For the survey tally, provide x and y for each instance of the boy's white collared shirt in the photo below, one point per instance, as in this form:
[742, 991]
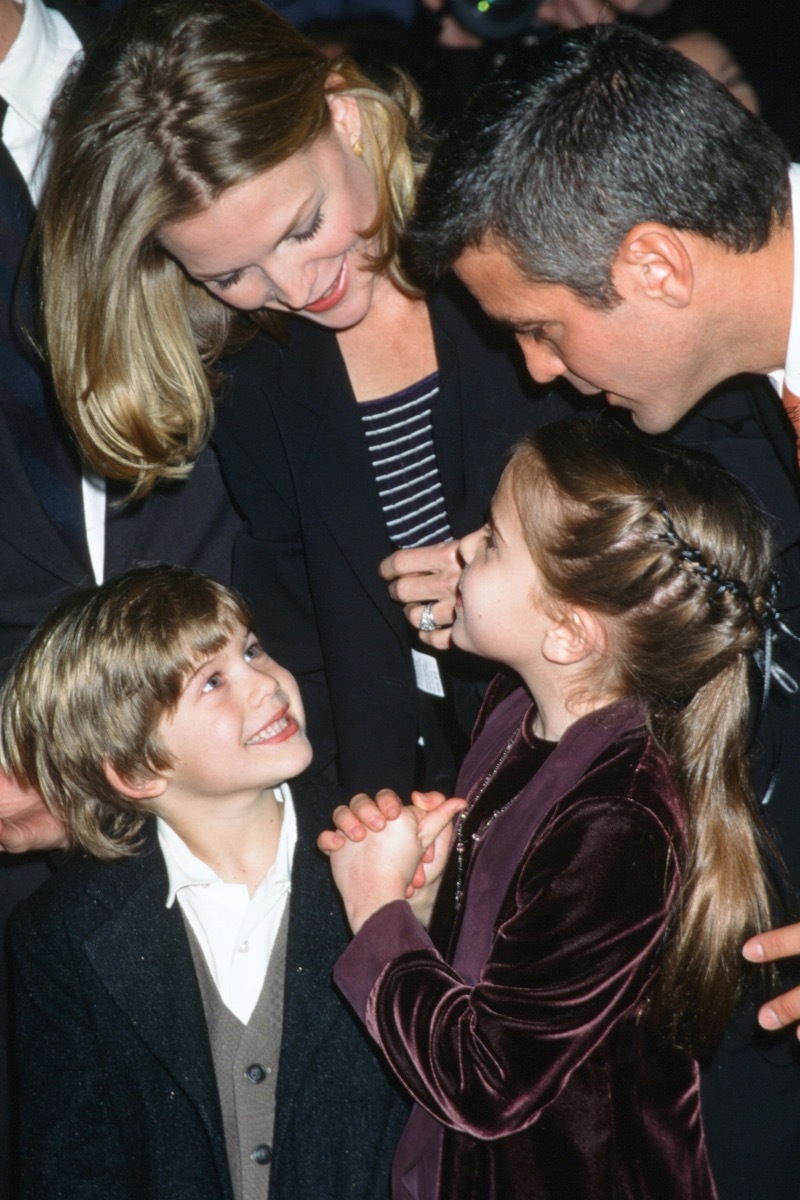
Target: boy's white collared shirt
[236, 931]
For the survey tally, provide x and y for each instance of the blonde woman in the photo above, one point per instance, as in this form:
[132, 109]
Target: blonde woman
[213, 172]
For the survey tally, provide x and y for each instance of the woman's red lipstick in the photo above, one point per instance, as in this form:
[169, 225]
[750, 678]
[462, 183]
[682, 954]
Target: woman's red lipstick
[334, 293]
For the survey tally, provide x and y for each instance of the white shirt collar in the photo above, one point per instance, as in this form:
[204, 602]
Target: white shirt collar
[42, 51]
[185, 869]
[30, 75]
[793, 351]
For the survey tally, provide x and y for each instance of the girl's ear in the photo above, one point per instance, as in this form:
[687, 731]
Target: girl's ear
[573, 637]
[145, 787]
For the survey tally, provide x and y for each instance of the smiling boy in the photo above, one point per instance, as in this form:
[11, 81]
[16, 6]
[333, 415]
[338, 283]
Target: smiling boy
[180, 975]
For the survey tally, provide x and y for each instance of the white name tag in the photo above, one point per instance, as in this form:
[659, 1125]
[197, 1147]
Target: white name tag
[426, 669]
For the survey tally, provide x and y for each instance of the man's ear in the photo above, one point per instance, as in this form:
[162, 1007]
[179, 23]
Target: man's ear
[573, 637]
[656, 262]
[145, 787]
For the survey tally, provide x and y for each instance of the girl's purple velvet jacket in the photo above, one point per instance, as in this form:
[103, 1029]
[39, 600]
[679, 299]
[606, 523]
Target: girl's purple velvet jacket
[523, 1047]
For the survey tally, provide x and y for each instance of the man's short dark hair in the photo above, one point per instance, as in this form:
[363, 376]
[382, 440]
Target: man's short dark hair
[578, 140]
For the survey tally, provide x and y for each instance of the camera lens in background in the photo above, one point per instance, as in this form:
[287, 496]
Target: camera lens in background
[494, 19]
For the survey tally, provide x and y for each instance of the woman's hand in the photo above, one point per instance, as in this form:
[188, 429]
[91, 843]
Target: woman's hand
[422, 577]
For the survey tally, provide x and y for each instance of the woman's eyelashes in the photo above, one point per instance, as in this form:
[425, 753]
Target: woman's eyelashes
[302, 235]
[305, 235]
[228, 282]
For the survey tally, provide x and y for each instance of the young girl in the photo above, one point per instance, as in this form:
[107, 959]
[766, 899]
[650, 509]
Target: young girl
[606, 868]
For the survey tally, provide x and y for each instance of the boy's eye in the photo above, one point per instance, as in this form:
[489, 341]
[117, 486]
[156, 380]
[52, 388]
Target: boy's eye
[253, 651]
[212, 683]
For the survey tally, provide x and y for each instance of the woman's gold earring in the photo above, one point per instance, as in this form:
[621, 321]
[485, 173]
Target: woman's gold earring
[358, 148]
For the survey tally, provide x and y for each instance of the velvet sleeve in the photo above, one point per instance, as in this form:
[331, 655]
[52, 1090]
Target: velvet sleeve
[574, 949]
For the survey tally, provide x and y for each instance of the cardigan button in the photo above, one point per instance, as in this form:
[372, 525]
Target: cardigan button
[262, 1154]
[255, 1073]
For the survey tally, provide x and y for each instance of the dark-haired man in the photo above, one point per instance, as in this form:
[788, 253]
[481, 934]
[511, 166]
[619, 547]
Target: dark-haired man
[628, 219]
[632, 224]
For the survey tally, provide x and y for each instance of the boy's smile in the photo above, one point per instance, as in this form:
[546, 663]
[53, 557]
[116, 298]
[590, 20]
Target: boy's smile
[238, 729]
[279, 730]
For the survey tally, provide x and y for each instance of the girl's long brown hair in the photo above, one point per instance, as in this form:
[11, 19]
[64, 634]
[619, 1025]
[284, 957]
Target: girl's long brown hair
[669, 551]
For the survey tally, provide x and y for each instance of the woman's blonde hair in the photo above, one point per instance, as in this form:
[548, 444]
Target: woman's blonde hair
[92, 686]
[176, 103]
[669, 552]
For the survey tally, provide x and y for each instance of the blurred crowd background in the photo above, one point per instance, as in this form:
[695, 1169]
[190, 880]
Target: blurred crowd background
[448, 46]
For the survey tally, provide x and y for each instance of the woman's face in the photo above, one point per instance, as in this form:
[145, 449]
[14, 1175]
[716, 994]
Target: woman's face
[289, 239]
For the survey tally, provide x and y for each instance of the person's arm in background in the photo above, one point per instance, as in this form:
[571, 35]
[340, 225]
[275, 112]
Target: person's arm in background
[25, 822]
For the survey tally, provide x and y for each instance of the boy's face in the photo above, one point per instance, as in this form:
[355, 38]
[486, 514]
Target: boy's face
[238, 729]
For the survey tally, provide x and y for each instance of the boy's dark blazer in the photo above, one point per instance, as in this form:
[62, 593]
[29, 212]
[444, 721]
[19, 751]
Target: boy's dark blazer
[104, 973]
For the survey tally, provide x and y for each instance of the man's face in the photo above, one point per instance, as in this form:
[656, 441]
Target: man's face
[629, 352]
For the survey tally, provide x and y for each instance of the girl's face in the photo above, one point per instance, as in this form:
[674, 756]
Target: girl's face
[290, 239]
[500, 611]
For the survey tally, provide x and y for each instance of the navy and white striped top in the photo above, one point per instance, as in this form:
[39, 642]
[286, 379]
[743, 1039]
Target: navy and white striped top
[400, 440]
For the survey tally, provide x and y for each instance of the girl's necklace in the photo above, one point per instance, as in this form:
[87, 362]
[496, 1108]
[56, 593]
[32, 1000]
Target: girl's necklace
[460, 843]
